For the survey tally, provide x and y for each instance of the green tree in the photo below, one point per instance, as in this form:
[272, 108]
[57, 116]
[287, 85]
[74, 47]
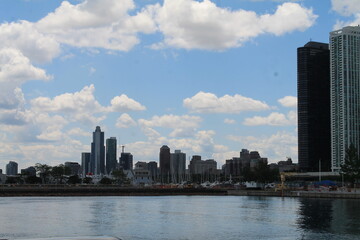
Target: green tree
[33, 180]
[44, 171]
[58, 172]
[351, 165]
[87, 180]
[120, 176]
[74, 179]
[105, 181]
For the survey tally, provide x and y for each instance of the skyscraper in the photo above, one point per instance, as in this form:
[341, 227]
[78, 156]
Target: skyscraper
[85, 163]
[345, 92]
[177, 166]
[313, 63]
[126, 161]
[12, 168]
[164, 159]
[97, 161]
[111, 161]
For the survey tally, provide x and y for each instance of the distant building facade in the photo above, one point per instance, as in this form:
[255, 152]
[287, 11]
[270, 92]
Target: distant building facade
[111, 162]
[30, 171]
[142, 173]
[11, 168]
[85, 163]
[97, 161]
[344, 92]
[164, 159]
[74, 167]
[313, 89]
[126, 161]
[153, 170]
[177, 166]
[198, 166]
[247, 161]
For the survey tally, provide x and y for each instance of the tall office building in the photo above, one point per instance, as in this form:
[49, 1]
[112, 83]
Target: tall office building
[177, 166]
[85, 163]
[12, 168]
[111, 161]
[345, 92]
[97, 160]
[126, 161]
[313, 63]
[164, 159]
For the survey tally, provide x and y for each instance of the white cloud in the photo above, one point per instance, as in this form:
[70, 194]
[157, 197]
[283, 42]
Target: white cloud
[69, 102]
[16, 69]
[184, 126]
[209, 103]
[97, 23]
[288, 101]
[274, 119]
[172, 121]
[78, 132]
[27, 39]
[209, 27]
[123, 103]
[125, 121]
[275, 147]
[229, 121]
[346, 7]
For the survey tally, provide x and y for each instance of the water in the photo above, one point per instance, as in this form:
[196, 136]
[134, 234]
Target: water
[180, 217]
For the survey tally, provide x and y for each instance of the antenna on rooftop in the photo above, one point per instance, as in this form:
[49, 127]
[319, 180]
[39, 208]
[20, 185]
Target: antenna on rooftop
[122, 148]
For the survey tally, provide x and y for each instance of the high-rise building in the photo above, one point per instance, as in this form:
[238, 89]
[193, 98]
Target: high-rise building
[11, 168]
[126, 161]
[111, 161]
[74, 167]
[85, 163]
[177, 166]
[97, 160]
[345, 92]
[313, 89]
[153, 170]
[164, 159]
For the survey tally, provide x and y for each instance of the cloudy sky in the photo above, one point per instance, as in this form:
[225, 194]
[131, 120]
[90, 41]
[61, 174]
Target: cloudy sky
[206, 77]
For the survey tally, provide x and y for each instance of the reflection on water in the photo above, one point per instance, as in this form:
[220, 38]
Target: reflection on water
[181, 217]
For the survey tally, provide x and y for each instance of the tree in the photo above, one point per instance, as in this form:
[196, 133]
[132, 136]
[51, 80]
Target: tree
[351, 165]
[74, 180]
[87, 180]
[106, 181]
[59, 171]
[33, 180]
[43, 170]
[120, 176]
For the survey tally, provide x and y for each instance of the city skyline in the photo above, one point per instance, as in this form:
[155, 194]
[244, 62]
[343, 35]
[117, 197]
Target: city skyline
[150, 77]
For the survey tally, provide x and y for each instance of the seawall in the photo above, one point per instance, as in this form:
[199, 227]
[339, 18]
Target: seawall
[307, 194]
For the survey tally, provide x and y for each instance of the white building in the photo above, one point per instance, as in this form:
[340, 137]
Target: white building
[345, 92]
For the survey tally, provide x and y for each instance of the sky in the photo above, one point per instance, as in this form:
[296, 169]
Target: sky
[207, 77]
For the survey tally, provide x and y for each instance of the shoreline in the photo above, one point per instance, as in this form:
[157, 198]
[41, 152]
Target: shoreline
[69, 191]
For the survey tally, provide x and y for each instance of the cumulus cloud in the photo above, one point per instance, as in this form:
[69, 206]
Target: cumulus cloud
[123, 103]
[209, 103]
[274, 119]
[182, 126]
[125, 121]
[97, 23]
[229, 121]
[275, 147]
[27, 39]
[288, 101]
[346, 7]
[78, 132]
[209, 27]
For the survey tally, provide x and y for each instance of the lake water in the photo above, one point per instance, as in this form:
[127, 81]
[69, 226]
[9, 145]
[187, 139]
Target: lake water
[180, 217]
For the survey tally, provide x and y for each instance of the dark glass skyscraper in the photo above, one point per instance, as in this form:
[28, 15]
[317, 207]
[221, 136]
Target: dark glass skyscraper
[314, 139]
[97, 161]
[111, 161]
[164, 158]
[85, 163]
[126, 161]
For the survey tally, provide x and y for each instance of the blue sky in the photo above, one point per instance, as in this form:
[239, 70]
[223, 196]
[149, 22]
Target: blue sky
[206, 77]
